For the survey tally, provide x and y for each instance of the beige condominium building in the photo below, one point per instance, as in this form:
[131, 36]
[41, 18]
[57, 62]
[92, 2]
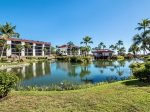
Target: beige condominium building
[37, 48]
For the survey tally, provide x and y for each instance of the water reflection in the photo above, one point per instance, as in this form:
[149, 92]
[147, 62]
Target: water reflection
[33, 70]
[45, 73]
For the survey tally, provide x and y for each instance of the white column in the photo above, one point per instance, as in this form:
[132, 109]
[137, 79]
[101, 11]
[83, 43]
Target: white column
[8, 51]
[23, 50]
[43, 52]
[34, 45]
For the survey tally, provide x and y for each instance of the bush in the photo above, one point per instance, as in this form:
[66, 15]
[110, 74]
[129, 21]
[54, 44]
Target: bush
[141, 71]
[7, 81]
[114, 57]
[129, 56]
[120, 57]
[74, 59]
[3, 60]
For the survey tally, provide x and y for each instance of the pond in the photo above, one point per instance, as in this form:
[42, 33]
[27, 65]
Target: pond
[55, 72]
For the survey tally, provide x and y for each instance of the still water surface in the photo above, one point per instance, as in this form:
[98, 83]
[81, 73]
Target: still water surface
[55, 72]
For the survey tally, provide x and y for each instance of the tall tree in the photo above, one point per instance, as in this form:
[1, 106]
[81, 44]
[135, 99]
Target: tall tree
[113, 47]
[28, 47]
[134, 49]
[143, 40]
[104, 46]
[100, 45]
[144, 24]
[70, 43]
[87, 40]
[45, 51]
[119, 46]
[7, 31]
[19, 47]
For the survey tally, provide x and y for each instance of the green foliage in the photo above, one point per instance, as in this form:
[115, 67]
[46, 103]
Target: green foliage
[147, 58]
[129, 56]
[7, 81]
[120, 57]
[3, 60]
[75, 59]
[141, 71]
[65, 85]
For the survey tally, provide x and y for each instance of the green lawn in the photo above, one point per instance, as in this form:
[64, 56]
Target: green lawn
[123, 96]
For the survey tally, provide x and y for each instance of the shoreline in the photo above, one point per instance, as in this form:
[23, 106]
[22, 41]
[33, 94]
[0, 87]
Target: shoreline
[4, 66]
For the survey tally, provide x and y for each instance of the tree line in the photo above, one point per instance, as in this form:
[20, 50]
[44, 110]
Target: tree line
[141, 41]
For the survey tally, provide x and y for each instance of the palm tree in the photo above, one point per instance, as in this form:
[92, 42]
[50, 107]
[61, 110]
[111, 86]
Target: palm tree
[28, 46]
[7, 31]
[104, 46]
[113, 47]
[143, 40]
[19, 47]
[134, 49]
[143, 25]
[87, 40]
[83, 50]
[45, 51]
[118, 45]
[122, 50]
[100, 45]
[70, 43]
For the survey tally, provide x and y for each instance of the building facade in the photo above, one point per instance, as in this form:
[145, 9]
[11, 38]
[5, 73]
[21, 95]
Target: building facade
[35, 48]
[68, 50]
[102, 53]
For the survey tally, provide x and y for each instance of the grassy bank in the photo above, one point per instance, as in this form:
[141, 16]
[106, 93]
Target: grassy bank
[123, 96]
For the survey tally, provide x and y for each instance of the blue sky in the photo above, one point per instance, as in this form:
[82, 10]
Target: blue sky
[60, 21]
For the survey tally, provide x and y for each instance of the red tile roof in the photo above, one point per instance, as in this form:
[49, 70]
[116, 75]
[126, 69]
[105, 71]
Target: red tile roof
[102, 50]
[62, 46]
[67, 46]
[31, 41]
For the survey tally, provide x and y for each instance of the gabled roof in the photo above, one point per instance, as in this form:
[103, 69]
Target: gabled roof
[102, 50]
[67, 46]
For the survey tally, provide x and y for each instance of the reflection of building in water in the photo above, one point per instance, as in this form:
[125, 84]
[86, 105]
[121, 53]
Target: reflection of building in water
[9, 69]
[34, 69]
[67, 67]
[43, 68]
[103, 64]
[23, 71]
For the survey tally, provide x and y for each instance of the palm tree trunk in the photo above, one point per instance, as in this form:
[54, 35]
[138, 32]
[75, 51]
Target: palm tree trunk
[27, 52]
[19, 56]
[3, 50]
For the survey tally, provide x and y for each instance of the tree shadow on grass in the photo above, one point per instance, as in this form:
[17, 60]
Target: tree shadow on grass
[136, 83]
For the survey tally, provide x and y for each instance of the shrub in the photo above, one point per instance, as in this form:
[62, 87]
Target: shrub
[120, 57]
[114, 57]
[7, 81]
[3, 60]
[129, 56]
[141, 71]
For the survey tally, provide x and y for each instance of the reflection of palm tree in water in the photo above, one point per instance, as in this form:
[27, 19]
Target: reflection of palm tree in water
[72, 71]
[112, 69]
[67, 67]
[103, 64]
[121, 63]
[101, 71]
[84, 71]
